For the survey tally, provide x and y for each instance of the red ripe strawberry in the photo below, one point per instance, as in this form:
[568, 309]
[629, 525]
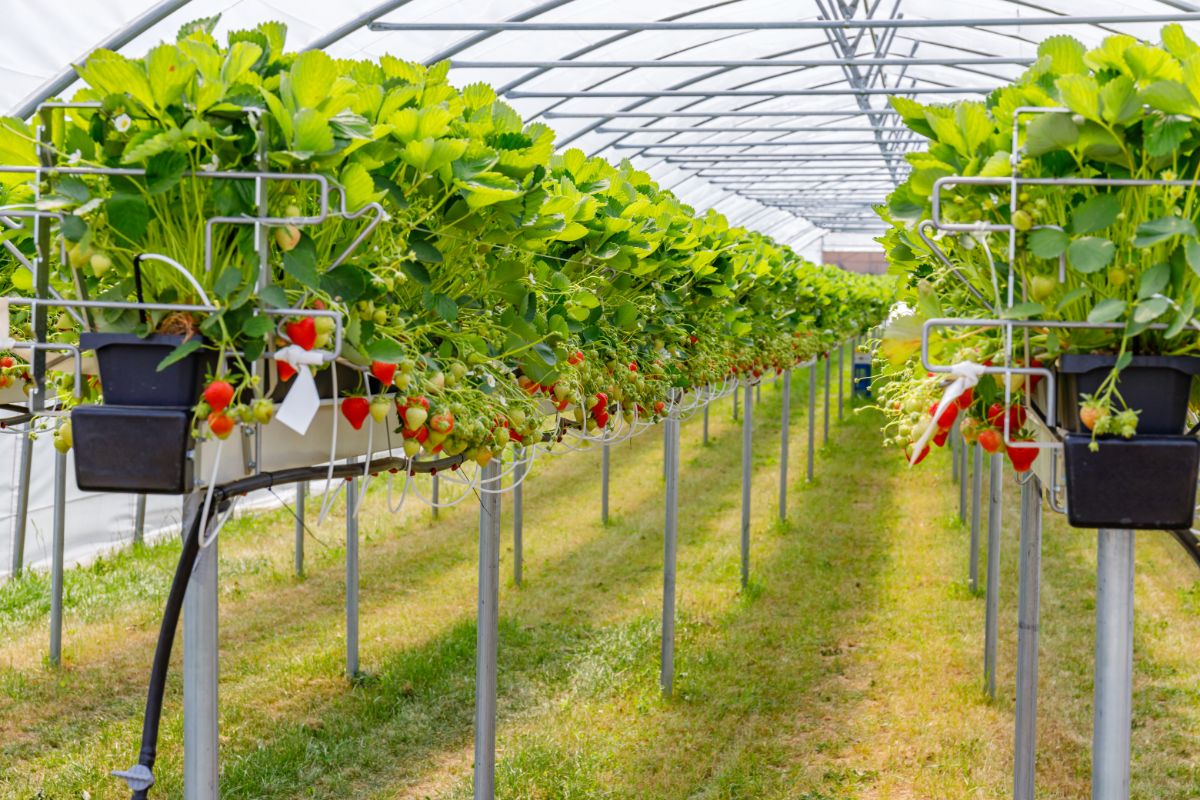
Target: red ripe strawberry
[1022, 456]
[561, 405]
[286, 371]
[516, 437]
[633, 366]
[575, 358]
[356, 409]
[991, 440]
[920, 458]
[601, 405]
[221, 424]
[442, 422]
[218, 395]
[7, 361]
[1034, 380]
[659, 407]
[1016, 416]
[383, 371]
[947, 417]
[302, 332]
[601, 418]
[964, 399]
[940, 437]
[420, 434]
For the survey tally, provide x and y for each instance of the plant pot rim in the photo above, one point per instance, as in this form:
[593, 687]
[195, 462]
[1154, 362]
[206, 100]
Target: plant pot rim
[1075, 363]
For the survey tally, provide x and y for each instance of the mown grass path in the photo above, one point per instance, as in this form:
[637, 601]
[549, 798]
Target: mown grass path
[852, 668]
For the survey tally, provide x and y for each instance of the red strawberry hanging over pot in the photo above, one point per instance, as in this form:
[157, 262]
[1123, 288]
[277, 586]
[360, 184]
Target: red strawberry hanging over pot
[356, 409]
[302, 332]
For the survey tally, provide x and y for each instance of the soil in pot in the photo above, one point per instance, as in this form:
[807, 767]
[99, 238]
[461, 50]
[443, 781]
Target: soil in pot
[1157, 386]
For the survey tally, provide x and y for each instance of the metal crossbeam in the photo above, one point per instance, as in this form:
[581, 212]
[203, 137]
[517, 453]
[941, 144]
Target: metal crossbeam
[846, 112]
[817, 24]
[868, 61]
[703, 93]
[750, 129]
[768, 143]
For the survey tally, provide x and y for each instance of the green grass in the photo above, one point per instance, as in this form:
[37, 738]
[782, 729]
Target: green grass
[851, 667]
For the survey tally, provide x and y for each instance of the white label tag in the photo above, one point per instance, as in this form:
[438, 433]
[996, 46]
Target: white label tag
[301, 404]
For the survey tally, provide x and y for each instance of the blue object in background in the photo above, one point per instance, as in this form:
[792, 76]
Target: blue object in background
[862, 374]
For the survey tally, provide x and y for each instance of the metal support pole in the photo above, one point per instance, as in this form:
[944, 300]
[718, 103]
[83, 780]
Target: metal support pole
[434, 495]
[976, 492]
[139, 520]
[1113, 704]
[963, 472]
[747, 441]
[785, 415]
[670, 533]
[200, 669]
[705, 442]
[352, 578]
[812, 415]
[992, 602]
[1028, 612]
[604, 468]
[825, 441]
[735, 406]
[57, 557]
[518, 518]
[841, 377]
[24, 475]
[954, 448]
[300, 492]
[487, 633]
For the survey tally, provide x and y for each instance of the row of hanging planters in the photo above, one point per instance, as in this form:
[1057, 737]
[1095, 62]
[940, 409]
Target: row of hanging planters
[1101, 277]
[430, 251]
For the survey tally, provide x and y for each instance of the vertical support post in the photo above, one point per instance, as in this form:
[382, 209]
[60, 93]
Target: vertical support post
[992, 602]
[670, 534]
[825, 440]
[1113, 703]
[785, 414]
[735, 406]
[976, 492]
[352, 578]
[434, 495]
[841, 377]
[604, 468]
[705, 441]
[812, 415]
[300, 492]
[954, 448]
[964, 450]
[518, 518]
[56, 558]
[200, 668]
[24, 475]
[139, 520]
[1028, 613]
[487, 633]
[747, 455]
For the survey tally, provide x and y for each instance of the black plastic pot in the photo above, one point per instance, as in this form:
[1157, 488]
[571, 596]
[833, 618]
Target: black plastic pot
[1158, 386]
[132, 449]
[1147, 482]
[129, 374]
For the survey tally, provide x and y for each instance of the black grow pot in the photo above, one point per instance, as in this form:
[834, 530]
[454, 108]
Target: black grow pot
[129, 374]
[1147, 482]
[132, 449]
[1157, 386]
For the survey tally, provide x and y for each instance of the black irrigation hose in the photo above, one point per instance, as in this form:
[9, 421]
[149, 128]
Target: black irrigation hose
[1189, 541]
[162, 651]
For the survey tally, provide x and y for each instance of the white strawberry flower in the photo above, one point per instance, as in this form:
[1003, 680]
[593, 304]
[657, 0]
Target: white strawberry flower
[122, 122]
[75, 157]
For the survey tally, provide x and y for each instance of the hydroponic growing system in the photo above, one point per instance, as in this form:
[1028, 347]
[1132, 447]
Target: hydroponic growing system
[273, 267]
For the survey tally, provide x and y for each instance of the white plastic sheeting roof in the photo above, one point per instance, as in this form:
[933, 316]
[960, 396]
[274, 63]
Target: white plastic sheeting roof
[794, 148]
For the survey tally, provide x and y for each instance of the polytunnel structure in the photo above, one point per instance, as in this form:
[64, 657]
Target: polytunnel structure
[331, 261]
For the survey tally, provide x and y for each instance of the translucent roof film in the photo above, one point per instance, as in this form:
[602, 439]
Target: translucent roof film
[774, 113]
